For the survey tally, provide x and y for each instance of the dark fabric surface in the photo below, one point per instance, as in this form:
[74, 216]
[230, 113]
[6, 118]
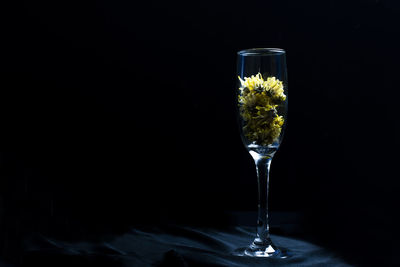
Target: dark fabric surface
[171, 246]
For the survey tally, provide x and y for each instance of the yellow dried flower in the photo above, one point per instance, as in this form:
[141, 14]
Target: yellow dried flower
[258, 102]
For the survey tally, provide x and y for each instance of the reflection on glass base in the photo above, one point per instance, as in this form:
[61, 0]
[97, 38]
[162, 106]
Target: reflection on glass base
[262, 251]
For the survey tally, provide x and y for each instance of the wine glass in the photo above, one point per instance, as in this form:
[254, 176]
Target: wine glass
[262, 106]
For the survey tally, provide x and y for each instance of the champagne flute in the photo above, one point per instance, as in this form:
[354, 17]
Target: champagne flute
[262, 107]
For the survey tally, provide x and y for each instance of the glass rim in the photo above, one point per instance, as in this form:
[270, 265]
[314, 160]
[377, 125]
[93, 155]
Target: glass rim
[261, 52]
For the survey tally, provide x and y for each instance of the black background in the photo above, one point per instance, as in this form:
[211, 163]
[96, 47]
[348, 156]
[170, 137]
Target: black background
[117, 113]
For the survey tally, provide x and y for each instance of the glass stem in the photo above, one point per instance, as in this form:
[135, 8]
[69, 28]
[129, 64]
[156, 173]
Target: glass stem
[263, 164]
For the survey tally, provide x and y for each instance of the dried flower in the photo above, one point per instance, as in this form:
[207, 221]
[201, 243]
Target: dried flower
[258, 102]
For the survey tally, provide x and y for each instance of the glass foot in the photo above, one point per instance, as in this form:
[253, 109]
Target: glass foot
[267, 250]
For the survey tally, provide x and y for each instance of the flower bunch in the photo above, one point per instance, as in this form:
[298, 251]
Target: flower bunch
[258, 102]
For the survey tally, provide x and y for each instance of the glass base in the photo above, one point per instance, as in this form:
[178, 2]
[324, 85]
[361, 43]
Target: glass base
[262, 250]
